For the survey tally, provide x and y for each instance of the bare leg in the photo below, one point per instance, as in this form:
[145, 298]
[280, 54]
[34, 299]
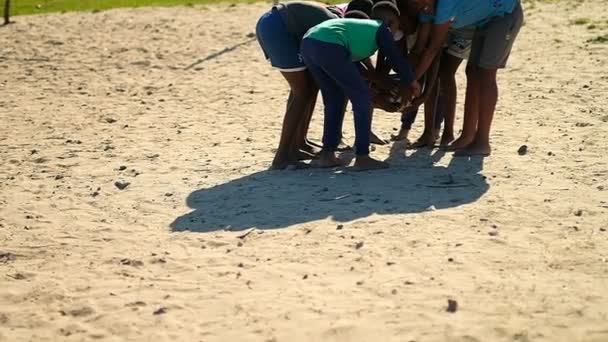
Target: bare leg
[300, 142]
[429, 137]
[488, 97]
[299, 100]
[471, 110]
[401, 135]
[447, 76]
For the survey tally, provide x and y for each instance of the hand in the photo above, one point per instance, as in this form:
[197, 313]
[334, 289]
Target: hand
[415, 89]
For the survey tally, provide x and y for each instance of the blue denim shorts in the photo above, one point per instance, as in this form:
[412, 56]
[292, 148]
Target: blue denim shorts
[280, 47]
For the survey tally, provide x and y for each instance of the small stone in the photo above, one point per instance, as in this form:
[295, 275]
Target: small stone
[602, 229]
[7, 256]
[110, 120]
[452, 306]
[122, 168]
[160, 311]
[340, 227]
[250, 35]
[578, 213]
[168, 194]
[389, 263]
[394, 291]
[241, 265]
[450, 259]
[58, 177]
[493, 233]
[121, 185]
[359, 245]
[523, 149]
[360, 282]
[305, 277]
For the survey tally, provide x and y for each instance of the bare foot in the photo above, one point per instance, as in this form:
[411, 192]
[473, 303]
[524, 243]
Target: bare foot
[474, 149]
[446, 139]
[305, 155]
[426, 140]
[374, 139]
[402, 135]
[329, 159]
[364, 163]
[312, 143]
[281, 161]
[342, 147]
[459, 144]
[311, 149]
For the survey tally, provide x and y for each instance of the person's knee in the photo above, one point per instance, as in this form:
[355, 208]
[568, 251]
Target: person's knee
[362, 100]
[472, 71]
[303, 91]
[487, 77]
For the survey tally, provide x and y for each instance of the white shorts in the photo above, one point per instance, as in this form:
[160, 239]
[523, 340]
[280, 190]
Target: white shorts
[459, 42]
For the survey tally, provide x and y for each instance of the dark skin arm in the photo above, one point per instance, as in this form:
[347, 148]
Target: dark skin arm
[422, 40]
[439, 33]
[432, 75]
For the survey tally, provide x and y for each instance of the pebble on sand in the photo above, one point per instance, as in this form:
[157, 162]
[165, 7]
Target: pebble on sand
[523, 149]
[452, 306]
[160, 311]
[121, 185]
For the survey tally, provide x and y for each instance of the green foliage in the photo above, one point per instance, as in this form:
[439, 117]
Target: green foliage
[598, 39]
[20, 7]
[581, 21]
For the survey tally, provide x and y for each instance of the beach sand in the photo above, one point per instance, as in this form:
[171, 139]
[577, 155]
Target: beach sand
[205, 244]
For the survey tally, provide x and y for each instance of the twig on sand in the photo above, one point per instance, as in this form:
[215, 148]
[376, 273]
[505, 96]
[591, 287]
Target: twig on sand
[334, 199]
[219, 53]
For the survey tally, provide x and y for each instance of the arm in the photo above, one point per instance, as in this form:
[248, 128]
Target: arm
[439, 34]
[388, 47]
[430, 83]
[424, 33]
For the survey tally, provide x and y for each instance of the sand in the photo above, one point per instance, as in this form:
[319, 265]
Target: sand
[205, 244]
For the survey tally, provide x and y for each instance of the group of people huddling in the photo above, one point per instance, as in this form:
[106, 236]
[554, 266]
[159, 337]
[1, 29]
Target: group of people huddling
[420, 45]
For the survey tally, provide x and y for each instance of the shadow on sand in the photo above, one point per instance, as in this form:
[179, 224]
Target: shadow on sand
[279, 199]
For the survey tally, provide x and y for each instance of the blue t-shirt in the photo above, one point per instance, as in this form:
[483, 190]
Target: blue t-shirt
[463, 13]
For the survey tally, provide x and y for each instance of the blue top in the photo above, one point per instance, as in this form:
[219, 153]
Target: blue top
[463, 13]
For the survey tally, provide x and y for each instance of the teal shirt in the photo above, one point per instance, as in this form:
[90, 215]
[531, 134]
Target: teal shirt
[463, 13]
[356, 35]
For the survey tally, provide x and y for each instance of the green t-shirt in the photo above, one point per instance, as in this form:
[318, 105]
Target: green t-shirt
[356, 35]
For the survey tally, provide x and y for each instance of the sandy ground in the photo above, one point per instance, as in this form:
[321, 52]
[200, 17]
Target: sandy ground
[205, 244]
